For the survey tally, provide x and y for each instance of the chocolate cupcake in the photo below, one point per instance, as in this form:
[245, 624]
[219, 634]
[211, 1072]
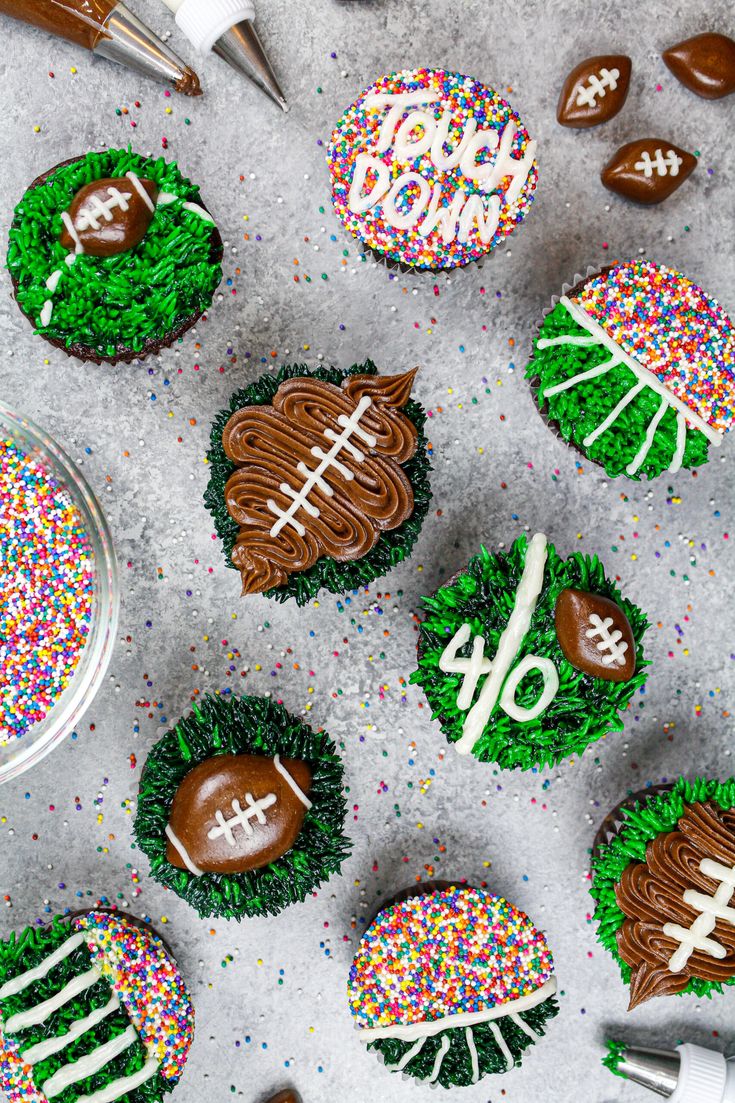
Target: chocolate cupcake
[92, 1008]
[663, 877]
[634, 367]
[431, 170]
[318, 479]
[241, 810]
[526, 658]
[451, 984]
[113, 256]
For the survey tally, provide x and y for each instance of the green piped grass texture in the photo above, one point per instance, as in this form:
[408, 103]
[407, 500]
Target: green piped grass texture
[109, 303]
[584, 708]
[575, 413]
[613, 1056]
[456, 1067]
[339, 578]
[25, 951]
[245, 725]
[649, 818]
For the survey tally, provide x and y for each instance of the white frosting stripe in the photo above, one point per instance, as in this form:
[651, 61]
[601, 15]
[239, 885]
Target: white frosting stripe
[49, 1046]
[165, 197]
[642, 373]
[681, 443]
[409, 1032]
[409, 1055]
[645, 448]
[125, 1084]
[188, 862]
[33, 1016]
[470, 1039]
[527, 595]
[524, 1026]
[502, 1046]
[90, 1064]
[711, 908]
[614, 414]
[445, 1044]
[591, 373]
[141, 190]
[297, 791]
[17, 984]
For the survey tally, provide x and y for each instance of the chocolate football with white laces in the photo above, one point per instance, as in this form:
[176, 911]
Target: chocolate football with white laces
[594, 91]
[109, 216]
[648, 170]
[595, 635]
[705, 64]
[234, 813]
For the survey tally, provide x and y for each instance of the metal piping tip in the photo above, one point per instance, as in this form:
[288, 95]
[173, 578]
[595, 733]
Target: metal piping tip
[241, 48]
[129, 42]
[655, 1069]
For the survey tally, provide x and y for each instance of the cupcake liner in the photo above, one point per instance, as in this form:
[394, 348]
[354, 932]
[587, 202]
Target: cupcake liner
[615, 819]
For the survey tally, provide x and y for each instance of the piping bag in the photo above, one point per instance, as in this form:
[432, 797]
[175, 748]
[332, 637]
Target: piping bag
[687, 1074]
[110, 30]
[225, 27]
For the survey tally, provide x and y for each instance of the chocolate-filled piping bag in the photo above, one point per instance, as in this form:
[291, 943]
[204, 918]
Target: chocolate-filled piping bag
[110, 30]
[226, 28]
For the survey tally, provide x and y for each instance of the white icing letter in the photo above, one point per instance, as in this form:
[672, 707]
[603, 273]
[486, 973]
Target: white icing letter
[446, 217]
[484, 139]
[403, 147]
[449, 161]
[397, 103]
[506, 165]
[404, 221]
[474, 212]
[364, 162]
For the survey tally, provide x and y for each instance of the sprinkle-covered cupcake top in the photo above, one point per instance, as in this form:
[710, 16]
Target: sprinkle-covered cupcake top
[671, 327]
[459, 950]
[431, 169]
[141, 972]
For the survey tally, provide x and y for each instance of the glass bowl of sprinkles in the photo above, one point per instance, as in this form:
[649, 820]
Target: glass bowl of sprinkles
[59, 594]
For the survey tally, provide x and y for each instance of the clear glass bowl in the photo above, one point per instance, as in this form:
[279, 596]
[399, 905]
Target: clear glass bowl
[18, 754]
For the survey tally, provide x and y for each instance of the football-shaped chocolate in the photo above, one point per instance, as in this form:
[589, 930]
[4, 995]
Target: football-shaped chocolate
[232, 813]
[109, 216]
[648, 170]
[594, 91]
[704, 64]
[595, 635]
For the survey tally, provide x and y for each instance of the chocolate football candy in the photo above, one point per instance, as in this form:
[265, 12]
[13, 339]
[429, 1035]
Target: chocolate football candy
[594, 91]
[704, 64]
[232, 813]
[109, 216]
[595, 635]
[647, 170]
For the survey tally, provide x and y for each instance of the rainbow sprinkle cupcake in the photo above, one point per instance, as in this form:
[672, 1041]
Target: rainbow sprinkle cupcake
[430, 169]
[450, 984]
[92, 1009]
[635, 368]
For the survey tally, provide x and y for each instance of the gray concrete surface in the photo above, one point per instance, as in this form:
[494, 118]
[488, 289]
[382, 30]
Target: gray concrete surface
[140, 434]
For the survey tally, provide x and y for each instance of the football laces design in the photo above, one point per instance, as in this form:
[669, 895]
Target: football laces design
[609, 641]
[597, 85]
[664, 165]
[255, 810]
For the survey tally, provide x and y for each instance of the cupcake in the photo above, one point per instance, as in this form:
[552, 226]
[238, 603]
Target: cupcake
[663, 877]
[431, 170]
[634, 367]
[241, 810]
[318, 479]
[92, 1009]
[526, 658]
[113, 256]
[449, 984]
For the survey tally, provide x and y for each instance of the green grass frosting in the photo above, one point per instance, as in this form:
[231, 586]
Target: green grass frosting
[27, 950]
[575, 413]
[245, 725]
[339, 578]
[456, 1067]
[118, 303]
[650, 817]
[584, 708]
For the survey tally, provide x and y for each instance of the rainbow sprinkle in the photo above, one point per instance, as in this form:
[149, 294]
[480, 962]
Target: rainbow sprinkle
[443, 953]
[140, 970]
[672, 328]
[46, 590]
[469, 103]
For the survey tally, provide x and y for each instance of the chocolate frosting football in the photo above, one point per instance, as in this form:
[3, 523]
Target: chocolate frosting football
[109, 216]
[594, 91]
[704, 64]
[648, 170]
[595, 635]
[232, 813]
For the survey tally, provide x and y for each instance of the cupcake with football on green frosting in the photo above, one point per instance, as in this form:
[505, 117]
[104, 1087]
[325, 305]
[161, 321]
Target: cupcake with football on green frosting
[241, 810]
[113, 256]
[527, 658]
[634, 367]
[663, 878]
